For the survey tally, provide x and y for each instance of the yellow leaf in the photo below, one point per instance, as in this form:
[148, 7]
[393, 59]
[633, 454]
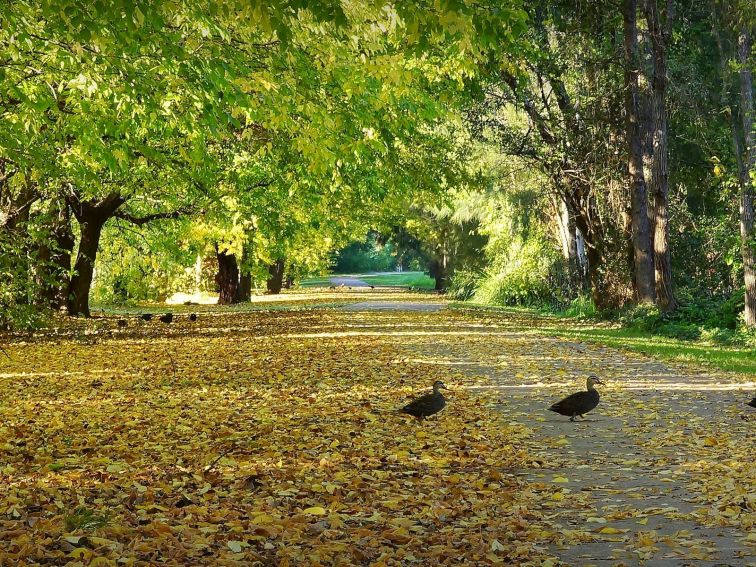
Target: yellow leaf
[610, 530]
[79, 553]
[315, 511]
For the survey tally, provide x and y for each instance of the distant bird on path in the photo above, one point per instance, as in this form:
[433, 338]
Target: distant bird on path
[428, 404]
[146, 316]
[752, 403]
[167, 318]
[122, 323]
[193, 317]
[579, 402]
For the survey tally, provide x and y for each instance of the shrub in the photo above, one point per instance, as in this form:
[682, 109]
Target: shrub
[463, 284]
[526, 278]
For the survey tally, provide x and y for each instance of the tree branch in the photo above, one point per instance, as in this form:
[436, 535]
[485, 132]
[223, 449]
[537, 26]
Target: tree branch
[141, 221]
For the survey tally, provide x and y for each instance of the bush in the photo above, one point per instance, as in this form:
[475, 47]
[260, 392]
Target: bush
[527, 279]
[463, 284]
[581, 307]
[714, 319]
[19, 287]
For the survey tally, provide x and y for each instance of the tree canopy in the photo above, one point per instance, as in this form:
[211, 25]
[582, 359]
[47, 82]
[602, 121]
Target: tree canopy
[561, 149]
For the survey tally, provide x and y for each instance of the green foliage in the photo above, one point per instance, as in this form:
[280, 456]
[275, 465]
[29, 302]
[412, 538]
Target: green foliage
[367, 256]
[582, 307]
[18, 286]
[715, 319]
[84, 519]
[463, 284]
[526, 278]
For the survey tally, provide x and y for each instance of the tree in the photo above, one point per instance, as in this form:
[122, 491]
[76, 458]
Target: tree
[747, 190]
[641, 230]
[738, 49]
[659, 21]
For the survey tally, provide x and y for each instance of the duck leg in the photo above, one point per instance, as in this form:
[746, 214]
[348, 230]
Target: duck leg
[572, 418]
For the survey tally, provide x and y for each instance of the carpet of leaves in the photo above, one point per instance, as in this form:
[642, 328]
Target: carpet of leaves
[263, 438]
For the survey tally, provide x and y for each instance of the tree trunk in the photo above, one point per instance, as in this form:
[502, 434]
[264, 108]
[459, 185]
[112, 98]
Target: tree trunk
[91, 216]
[593, 252]
[643, 259]
[747, 233]
[227, 278]
[81, 282]
[245, 287]
[276, 279]
[660, 36]
[567, 232]
[582, 205]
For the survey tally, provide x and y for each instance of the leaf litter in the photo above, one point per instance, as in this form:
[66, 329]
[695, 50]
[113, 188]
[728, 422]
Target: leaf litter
[272, 438]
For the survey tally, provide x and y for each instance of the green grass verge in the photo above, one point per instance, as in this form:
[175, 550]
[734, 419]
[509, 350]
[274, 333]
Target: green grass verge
[324, 281]
[397, 279]
[731, 358]
[403, 279]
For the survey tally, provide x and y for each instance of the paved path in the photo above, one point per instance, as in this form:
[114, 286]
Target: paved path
[645, 480]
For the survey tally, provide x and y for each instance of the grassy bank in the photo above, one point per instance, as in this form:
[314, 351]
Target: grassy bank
[395, 279]
[727, 357]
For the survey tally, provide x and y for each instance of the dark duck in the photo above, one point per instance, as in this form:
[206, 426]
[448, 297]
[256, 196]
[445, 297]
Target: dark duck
[579, 403]
[429, 404]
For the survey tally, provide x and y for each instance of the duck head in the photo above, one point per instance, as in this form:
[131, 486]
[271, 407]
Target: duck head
[439, 385]
[593, 380]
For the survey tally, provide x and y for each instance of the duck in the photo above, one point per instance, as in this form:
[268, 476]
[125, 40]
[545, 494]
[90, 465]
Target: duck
[579, 403]
[146, 316]
[752, 403]
[193, 317]
[167, 318]
[429, 404]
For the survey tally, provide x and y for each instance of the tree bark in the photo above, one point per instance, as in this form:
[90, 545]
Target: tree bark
[91, 216]
[747, 232]
[588, 224]
[643, 258]
[245, 287]
[660, 32]
[438, 273]
[567, 232]
[276, 278]
[227, 278]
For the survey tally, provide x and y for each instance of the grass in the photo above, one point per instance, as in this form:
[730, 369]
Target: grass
[406, 279]
[396, 279]
[726, 357]
[324, 281]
